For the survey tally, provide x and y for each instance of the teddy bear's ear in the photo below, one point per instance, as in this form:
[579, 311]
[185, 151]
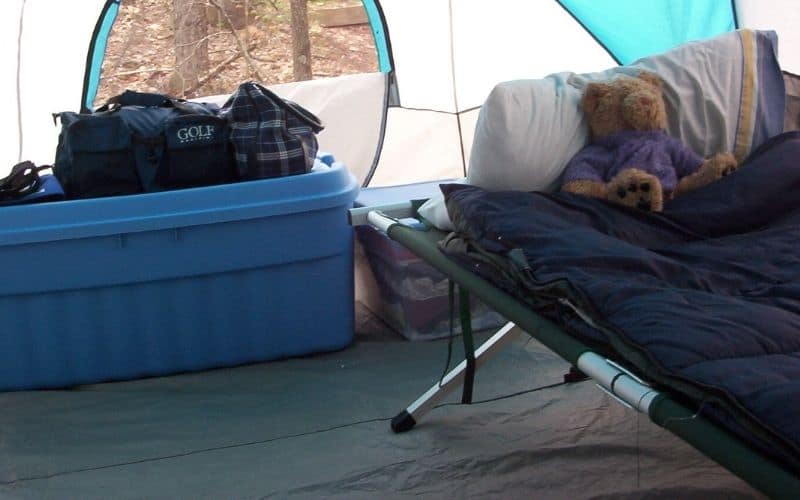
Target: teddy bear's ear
[651, 78]
[592, 95]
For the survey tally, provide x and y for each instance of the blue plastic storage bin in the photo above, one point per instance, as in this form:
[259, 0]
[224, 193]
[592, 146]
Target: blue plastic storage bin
[126, 287]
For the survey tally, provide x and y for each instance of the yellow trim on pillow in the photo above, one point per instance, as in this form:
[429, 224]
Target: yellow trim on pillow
[744, 133]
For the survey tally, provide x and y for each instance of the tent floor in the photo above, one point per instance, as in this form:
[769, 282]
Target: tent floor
[318, 427]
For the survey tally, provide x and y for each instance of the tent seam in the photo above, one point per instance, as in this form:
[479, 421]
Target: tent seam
[19, 87]
[455, 89]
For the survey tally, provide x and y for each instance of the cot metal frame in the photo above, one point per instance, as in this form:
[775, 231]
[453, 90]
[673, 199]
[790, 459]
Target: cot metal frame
[762, 472]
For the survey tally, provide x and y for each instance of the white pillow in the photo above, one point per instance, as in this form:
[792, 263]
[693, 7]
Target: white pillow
[528, 130]
[435, 211]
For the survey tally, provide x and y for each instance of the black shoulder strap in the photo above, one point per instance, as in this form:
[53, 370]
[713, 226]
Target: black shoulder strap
[23, 180]
[133, 98]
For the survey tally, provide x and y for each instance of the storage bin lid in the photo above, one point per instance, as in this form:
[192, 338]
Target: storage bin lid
[322, 188]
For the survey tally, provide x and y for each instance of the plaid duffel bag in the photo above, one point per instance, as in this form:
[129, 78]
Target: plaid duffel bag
[271, 136]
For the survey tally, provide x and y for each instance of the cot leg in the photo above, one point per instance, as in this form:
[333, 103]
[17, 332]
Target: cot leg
[406, 419]
[574, 375]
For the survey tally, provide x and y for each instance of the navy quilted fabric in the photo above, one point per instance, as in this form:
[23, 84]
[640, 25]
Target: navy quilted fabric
[707, 292]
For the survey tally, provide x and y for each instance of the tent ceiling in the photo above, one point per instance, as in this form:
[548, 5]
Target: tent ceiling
[632, 29]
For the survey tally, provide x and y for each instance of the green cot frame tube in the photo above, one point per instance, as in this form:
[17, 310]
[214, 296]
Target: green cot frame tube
[718, 444]
[424, 244]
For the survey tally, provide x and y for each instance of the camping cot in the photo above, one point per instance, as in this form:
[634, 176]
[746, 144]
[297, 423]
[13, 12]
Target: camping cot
[715, 442]
[668, 409]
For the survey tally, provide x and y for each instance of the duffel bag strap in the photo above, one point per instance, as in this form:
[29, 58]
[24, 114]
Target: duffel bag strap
[133, 98]
[23, 180]
[146, 99]
[298, 111]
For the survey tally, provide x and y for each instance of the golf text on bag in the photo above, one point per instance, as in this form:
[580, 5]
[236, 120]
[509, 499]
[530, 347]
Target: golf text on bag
[196, 133]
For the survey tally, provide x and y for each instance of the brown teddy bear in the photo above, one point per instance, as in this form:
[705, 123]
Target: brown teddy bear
[631, 159]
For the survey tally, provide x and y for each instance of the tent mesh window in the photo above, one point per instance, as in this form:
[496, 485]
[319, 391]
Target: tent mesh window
[191, 48]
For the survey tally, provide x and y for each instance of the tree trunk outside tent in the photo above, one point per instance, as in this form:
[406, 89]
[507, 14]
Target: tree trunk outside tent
[235, 12]
[301, 45]
[191, 45]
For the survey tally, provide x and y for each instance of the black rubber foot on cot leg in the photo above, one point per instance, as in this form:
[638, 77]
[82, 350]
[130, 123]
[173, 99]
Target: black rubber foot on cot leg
[574, 375]
[403, 421]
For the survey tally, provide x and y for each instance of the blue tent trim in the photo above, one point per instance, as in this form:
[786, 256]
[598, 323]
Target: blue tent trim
[632, 29]
[97, 51]
[378, 25]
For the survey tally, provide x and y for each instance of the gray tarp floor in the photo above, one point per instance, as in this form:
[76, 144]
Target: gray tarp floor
[318, 427]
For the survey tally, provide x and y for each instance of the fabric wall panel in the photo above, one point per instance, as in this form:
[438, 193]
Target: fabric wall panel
[506, 40]
[632, 29]
[9, 31]
[351, 108]
[781, 16]
[420, 37]
[51, 70]
[419, 146]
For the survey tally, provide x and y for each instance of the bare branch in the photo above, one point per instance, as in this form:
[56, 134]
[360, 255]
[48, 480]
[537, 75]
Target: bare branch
[215, 71]
[201, 40]
[138, 71]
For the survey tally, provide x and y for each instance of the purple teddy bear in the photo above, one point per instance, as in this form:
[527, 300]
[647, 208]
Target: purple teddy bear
[632, 160]
[653, 152]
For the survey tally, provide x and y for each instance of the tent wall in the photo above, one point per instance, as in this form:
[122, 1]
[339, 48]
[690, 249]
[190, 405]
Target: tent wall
[632, 29]
[52, 48]
[420, 36]
[449, 55]
[419, 146]
[424, 145]
[445, 75]
[491, 45]
[9, 33]
[351, 107]
[781, 16]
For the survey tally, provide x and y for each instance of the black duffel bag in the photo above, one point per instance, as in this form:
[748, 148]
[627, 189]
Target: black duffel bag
[139, 142]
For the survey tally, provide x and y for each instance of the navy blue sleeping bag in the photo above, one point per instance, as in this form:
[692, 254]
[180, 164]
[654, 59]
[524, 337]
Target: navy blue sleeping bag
[703, 298]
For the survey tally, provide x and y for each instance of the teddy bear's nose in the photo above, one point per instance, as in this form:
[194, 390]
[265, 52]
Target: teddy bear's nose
[621, 192]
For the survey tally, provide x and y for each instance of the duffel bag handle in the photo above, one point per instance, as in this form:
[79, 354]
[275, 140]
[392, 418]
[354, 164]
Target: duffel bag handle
[147, 99]
[133, 98]
[300, 112]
